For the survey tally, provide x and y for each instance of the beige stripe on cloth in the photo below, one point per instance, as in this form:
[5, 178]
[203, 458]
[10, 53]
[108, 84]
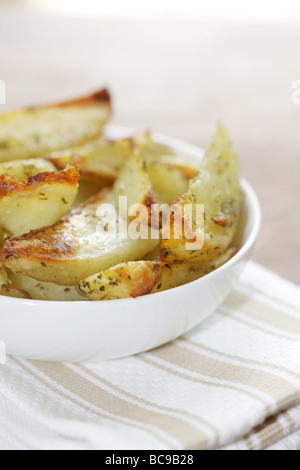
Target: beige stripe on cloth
[242, 359]
[107, 401]
[72, 398]
[75, 399]
[271, 297]
[255, 326]
[263, 312]
[282, 391]
[268, 433]
[167, 367]
[147, 403]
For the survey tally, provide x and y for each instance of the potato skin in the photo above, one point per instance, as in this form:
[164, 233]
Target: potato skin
[98, 97]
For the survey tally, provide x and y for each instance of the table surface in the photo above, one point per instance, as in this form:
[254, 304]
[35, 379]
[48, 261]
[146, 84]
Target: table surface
[179, 78]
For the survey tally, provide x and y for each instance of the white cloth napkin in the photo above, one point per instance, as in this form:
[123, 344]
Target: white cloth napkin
[231, 383]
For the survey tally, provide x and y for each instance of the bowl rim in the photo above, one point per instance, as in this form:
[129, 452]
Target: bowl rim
[191, 150]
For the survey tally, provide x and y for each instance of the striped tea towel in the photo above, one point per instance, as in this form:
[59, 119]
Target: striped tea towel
[231, 383]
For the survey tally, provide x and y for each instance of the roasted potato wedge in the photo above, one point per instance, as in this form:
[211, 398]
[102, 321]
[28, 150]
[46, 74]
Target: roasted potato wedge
[74, 248]
[103, 158]
[152, 151]
[187, 168]
[134, 182]
[40, 201]
[217, 186]
[168, 183]
[147, 146]
[34, 132]
[100, 158]
[23, 169]
[46, 290]
[145, 277]
[8, 289]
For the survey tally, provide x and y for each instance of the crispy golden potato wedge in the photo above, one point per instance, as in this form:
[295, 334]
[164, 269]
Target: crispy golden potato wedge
[168, 183]
[23, 169]
[74, 248]
[46, 290]
[34, 132]
[147, 146]
[150, 151]
[40, 201]
[8, 289]
[217, 186]
[187, 168]
[134, 182]
[100, 158]
[140, 278]
[103, 158]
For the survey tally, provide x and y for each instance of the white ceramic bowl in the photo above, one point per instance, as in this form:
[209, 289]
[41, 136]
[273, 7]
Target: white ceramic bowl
[93, 331]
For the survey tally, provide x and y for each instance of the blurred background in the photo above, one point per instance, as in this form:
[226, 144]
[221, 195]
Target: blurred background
[177, 67]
